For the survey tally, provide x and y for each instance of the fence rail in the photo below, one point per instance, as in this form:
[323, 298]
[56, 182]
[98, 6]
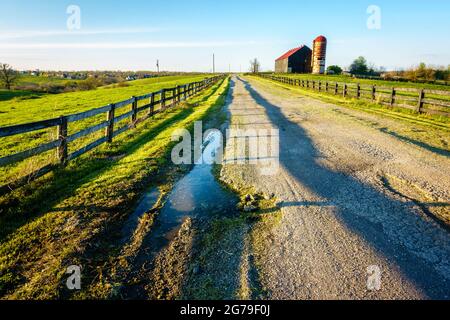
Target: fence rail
[164, 98]
[426, 101]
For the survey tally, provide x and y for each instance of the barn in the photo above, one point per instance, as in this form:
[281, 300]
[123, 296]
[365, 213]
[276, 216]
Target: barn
[297, 60]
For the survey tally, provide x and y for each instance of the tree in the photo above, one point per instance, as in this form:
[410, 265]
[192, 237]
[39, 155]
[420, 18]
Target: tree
[421, 71]
[255, 66]
[334, 70]
[89, 84]
[359, 66]
[8, 76]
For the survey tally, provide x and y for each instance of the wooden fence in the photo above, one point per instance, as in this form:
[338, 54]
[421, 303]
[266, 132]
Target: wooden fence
[425, 101]
[164, 98]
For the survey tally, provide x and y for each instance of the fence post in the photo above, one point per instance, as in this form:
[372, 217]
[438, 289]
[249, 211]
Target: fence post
[307, 84]
[392, 102]
[320, 86]
[326, 86]
[134, 106]
[174, 96]
[344, 93]
[110, 128]
[163, 99]
[336, 88]
[374, 90]
[358, 91]
[314, 85]
[420, 102]
[152, 105]
[62, 137]
[185, 88]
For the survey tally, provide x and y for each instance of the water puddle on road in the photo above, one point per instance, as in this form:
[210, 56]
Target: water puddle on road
[146, 203]
[198, 194]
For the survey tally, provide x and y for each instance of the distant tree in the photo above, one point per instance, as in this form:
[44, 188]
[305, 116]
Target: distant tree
[359, 66]
[424, 72]
[89, 84]
[8, 76]
[421, 71]
[334, 70]
[430, 74]
[255, 66]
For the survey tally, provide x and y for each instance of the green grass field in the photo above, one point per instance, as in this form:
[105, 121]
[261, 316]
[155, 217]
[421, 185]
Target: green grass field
[6, 95]
[18, 111]
[23, 110]
[407, 98]
[382, 83]
[64, 217]
[423, 129]
[30, 80]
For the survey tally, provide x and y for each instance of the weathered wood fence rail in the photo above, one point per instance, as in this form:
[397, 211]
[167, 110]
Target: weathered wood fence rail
[164, 98]
[425, 101]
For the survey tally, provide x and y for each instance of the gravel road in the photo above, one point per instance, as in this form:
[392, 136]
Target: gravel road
[352, 197]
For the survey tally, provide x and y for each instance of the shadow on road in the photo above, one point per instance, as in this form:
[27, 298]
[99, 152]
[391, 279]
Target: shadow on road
[418, 246]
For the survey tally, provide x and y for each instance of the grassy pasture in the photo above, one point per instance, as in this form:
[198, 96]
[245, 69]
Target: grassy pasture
[30, 80]
[74, 216]
[28, 83]
[24, 110]
[382, 83]
[428, 131]
[407, 96]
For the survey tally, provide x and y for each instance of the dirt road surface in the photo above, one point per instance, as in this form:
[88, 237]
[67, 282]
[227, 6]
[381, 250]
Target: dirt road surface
[353, 198]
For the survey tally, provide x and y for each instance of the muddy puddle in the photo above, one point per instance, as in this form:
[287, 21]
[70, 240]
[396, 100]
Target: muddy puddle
[198, 194]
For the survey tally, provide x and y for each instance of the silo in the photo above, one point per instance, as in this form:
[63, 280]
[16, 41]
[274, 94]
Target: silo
[319, 55]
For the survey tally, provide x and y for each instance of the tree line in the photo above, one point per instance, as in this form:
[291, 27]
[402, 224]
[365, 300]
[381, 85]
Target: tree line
[59, 81]
[422, 72]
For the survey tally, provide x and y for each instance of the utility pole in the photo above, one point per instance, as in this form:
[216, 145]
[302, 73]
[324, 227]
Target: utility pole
[214, 63]
[157, 65]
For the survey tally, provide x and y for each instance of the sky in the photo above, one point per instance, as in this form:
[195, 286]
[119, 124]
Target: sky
[184, 35]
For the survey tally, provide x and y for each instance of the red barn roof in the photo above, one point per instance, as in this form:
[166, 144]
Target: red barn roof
[289, 53]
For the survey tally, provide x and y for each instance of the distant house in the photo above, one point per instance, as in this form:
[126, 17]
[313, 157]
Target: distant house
[131, 78]
[297, 60]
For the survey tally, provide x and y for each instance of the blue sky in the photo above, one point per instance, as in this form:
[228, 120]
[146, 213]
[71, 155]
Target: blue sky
[183, 35]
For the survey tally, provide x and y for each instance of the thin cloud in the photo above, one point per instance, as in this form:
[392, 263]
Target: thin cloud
[126, 45]
[55, 33]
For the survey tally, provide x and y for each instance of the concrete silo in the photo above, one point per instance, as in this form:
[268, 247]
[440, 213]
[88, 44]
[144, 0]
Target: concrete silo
[319, 55]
